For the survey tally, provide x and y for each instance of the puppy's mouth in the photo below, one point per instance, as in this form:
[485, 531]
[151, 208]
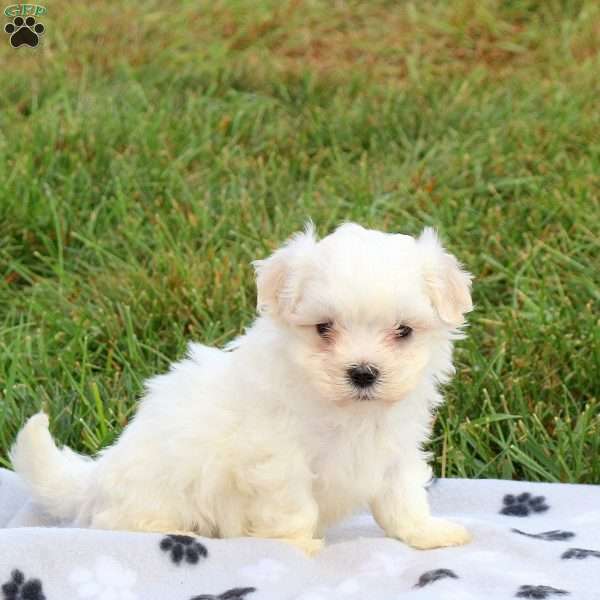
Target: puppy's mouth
[370, 394]
[365, 396]
[356, 395]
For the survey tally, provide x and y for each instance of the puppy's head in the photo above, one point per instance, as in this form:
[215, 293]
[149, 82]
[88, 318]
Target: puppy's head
[367, 314]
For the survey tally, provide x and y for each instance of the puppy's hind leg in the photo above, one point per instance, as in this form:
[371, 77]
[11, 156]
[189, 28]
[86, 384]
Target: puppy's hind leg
[286, 517]
[279, 503]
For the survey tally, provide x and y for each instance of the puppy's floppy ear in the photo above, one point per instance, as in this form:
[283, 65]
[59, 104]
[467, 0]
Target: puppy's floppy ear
[279, 278]
[447, 284]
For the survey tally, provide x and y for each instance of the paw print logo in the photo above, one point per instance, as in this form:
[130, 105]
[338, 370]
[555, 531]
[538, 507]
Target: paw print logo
[539, 591]
[523, 504]
[24, 31]
[232, 594]
[183, 547]
[18, 588]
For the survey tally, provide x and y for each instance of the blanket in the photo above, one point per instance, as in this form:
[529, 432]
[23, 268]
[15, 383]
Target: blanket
[531, 540]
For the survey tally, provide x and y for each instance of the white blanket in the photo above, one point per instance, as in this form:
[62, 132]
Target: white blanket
[531, 540]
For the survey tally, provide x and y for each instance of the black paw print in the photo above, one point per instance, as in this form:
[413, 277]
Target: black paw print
[183, 547]
[233, 594]
[24, 32]
[539, 591]
[580, 553]
[523, 504]
[556, 535]
[431, 576]
[17, 588]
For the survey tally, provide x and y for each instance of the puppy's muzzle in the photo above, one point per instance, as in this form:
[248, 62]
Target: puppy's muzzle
[363, 375]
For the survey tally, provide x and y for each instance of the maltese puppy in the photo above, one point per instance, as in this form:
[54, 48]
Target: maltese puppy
[319, 409]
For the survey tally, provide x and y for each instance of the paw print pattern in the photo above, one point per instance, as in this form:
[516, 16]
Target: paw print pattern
[233, 594]
[435, 575]
[539, 591]
[24, 31]
[556, 535]
[523, 505]
[342, 589]
[265, 569]
[183, 548]
[107, 578]
[19, 588]
[579, 553]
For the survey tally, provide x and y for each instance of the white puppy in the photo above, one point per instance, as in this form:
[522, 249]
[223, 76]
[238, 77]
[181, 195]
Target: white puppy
[321, 408]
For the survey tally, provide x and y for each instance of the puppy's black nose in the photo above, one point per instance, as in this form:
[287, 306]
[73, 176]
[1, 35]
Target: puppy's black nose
[363, 376]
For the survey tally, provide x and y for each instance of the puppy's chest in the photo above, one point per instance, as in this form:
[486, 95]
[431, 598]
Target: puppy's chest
[349, 461]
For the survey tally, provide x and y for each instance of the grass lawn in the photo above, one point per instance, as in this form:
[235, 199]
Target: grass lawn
[149, 151]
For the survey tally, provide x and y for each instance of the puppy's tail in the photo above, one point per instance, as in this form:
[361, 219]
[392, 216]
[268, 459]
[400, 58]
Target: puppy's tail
[56, 478]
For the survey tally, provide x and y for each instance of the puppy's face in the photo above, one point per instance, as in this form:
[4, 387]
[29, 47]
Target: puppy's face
[368, 314]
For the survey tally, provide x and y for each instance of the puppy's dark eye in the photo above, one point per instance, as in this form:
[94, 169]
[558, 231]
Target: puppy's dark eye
[403, 331]
[323, 329]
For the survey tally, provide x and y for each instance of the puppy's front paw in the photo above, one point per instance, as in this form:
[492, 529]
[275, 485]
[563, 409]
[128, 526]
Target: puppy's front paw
[436, 533]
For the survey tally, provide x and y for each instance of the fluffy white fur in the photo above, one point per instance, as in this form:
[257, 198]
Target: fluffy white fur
[269, 437]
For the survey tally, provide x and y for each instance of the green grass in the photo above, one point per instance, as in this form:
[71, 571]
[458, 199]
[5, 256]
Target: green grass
[148, 153]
